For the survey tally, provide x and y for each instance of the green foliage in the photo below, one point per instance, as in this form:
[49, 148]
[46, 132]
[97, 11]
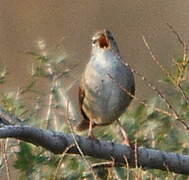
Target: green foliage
[27, 161]
[143, 122]
[39, 57]
[3, 73]
[9, 104]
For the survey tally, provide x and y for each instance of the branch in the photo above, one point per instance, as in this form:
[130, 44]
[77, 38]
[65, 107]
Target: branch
[57, 142]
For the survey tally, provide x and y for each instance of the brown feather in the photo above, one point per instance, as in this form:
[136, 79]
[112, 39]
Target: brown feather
[133, 90]
[84, 124]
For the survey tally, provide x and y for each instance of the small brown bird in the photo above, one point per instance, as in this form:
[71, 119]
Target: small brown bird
[102, 100]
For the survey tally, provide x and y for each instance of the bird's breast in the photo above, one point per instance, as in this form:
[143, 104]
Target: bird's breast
[104, 99]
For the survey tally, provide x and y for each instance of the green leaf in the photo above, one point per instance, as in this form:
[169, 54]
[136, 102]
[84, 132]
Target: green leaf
[39, 57]
[25, 158]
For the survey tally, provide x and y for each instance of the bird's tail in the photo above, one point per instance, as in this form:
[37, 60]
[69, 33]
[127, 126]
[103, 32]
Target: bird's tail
[82, 126]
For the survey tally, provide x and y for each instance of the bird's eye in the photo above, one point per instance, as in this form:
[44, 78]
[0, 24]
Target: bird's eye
[111, 38]
[94, 41]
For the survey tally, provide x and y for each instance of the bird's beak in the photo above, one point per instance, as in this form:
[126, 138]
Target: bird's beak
[103, 42]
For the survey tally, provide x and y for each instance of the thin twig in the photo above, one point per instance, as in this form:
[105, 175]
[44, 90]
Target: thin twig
[136, 153]
[156, 61]
[76, 143]
[185, 48]
[142, 102]
[60, 161]
[177, 35]
[6, 160]
[108, 164]
[127, 166]
[162, 96]
[165, 70]
[50, 101]
[155, 89]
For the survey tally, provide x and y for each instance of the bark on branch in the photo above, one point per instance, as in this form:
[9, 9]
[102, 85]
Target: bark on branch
[58, 142]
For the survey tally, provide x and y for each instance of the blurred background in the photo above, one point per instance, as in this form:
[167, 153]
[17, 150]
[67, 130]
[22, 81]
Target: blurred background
[69, 25]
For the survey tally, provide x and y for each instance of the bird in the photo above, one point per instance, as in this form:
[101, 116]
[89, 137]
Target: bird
[102, 95]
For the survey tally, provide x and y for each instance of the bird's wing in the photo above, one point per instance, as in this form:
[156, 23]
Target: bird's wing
[133, 90]
[84, 123]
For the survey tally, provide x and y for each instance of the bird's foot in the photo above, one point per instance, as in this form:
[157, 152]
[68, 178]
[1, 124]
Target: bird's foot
[91, 135]
[90, 132]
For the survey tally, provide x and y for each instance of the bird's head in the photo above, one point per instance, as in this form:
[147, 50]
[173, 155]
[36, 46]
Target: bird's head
[104, 40]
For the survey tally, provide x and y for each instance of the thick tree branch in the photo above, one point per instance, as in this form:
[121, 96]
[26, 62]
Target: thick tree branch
[57, 142]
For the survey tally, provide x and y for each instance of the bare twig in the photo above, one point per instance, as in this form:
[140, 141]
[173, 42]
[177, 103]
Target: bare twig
[76, 143]
[173, 80]
[60, 161]
[156, 61]
[177, 34]
[50, 99]
[127, 166]
[142, 102]
[161, 95]
[185, 59]
[6, 160]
